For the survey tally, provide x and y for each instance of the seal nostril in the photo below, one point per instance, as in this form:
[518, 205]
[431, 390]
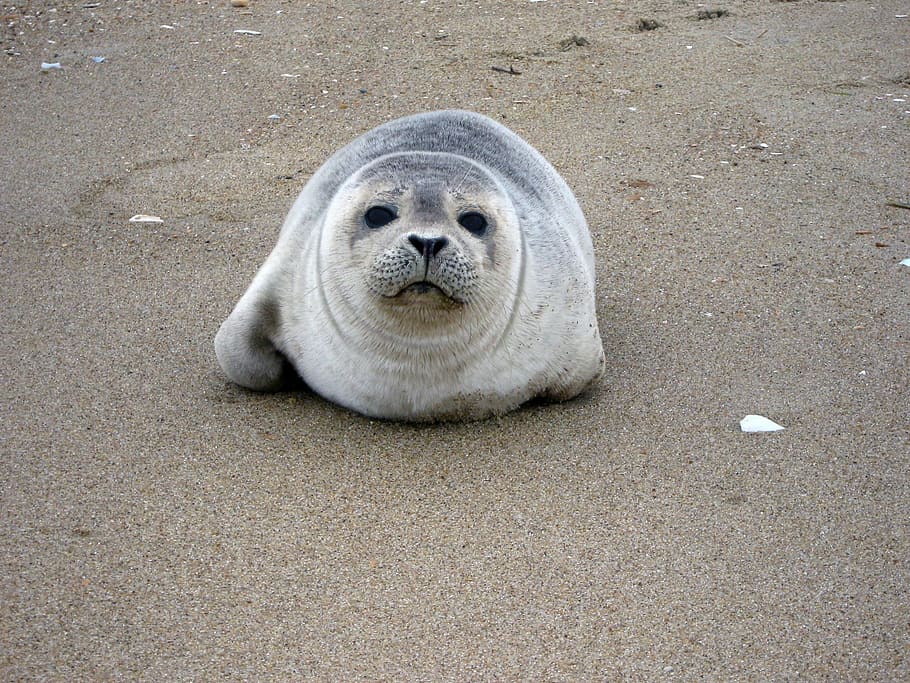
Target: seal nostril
[428, 246]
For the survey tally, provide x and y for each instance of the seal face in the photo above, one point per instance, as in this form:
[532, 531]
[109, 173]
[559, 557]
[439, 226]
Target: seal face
[435, 268]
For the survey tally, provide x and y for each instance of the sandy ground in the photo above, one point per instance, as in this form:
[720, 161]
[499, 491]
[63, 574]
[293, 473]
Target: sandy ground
[159, 523]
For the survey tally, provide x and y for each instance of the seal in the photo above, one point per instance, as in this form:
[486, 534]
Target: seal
[435, 268]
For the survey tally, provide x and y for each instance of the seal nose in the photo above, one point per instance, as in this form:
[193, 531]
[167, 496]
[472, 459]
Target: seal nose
[428, 246]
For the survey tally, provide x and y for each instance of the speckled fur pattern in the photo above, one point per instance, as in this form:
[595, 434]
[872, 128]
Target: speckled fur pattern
[421, 318]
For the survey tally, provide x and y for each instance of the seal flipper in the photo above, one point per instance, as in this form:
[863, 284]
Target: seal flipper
[245, 349]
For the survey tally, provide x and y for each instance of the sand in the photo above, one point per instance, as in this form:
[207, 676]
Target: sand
[159, 523]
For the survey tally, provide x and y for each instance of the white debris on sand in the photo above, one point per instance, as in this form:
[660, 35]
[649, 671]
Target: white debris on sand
[758, 423]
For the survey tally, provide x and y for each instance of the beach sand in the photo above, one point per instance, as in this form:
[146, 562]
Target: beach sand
[159, 523]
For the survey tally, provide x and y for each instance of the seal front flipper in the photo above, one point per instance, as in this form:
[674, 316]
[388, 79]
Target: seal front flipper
[245, 349]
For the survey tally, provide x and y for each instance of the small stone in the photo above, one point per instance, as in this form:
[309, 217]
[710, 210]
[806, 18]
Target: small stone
[705, 14]
[573, 41]
[647, 25]
[240, 3]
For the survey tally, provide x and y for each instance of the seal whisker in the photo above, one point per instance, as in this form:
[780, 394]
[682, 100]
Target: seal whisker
[463, 179]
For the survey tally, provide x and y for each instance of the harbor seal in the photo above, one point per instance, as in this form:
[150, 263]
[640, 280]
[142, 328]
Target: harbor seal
[435, 268]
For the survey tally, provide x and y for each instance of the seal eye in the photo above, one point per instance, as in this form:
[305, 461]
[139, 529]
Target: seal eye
[473, 222]
[378, 216]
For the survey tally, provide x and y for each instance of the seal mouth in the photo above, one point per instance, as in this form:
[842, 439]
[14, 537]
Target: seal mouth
[424, 291]
[423, 287]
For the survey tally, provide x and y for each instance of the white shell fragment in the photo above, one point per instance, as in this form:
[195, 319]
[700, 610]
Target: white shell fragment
[906, 262]
[50, 65]
[143, 218]
[247, 32]
[757, 423]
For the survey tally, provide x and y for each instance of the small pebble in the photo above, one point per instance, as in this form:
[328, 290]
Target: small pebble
[240, 3]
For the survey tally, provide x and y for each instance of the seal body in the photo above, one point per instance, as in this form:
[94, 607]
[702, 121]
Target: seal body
[435, 268]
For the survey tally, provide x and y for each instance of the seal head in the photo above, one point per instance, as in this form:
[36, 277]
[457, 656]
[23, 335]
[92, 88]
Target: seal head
[421, 246]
